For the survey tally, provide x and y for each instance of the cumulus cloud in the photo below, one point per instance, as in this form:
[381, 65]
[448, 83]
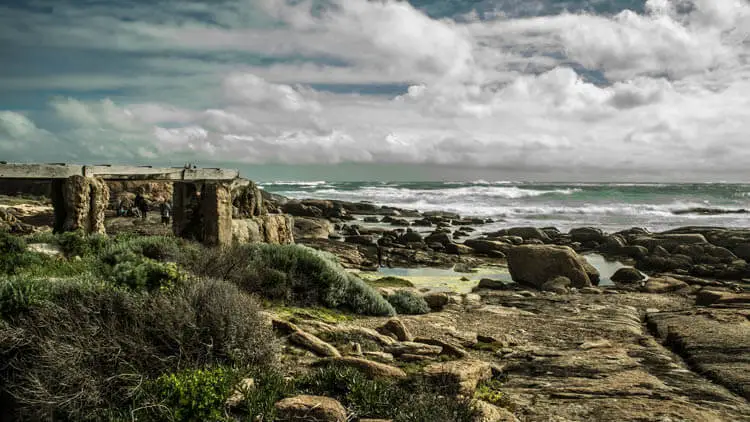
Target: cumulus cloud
[318, 82]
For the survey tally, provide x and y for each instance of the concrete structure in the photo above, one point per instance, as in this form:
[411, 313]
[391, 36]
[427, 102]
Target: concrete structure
[202, 202]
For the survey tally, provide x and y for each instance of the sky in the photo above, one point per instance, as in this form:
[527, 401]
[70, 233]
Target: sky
[553, 90]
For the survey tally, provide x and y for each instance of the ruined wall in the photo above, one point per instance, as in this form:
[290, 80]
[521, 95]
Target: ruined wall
[216, 212]
[79, 204]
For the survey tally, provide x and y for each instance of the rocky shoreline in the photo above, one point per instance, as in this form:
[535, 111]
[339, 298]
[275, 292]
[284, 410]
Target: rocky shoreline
[665, 337]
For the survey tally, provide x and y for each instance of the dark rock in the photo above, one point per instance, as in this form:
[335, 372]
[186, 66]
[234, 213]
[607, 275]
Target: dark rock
[587, 234]
[535, 264]
[627, 276]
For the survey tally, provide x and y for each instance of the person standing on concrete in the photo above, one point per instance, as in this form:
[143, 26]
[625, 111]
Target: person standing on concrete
[166, 212]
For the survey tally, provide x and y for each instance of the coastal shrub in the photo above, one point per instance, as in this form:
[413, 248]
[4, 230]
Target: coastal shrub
[391, 281]
[195, 395]
[83, 350]
[14, 256]
[401, 401]
[80, 244]
[270, 387]
[141, 273]
[408, 303]
[292, 274]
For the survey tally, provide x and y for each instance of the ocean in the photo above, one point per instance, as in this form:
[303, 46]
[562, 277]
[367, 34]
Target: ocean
[610, 206]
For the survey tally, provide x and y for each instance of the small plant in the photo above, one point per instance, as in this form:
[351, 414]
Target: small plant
[196, 394]
[490, 391]
[408, 303]
[391, 281]
[79, 244]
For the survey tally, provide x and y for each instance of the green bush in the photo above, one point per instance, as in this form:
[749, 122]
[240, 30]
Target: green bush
[271, 387]
[401, 401]
[295, 275]
[195, 395]
[80, 244]
[408, 303]
[82, 351]
[13, 254]
[140, 273]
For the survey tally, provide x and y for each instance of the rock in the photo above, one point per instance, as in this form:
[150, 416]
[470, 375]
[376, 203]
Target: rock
[239, 392]
[371, 220]
[487, 412]
[410, 237]
[663, 285]
[595, 344]
[587, 234]
[437, 300]
[461, 376]
[448, 348]
[312, 228]
[283, 327]
[487, 246]
[528, 233]
[711, 297]
[408, 357]
[742, 251]
[379, 356]
[559, 285]
[439, 237]
[45, 249]
[271, 228]
[361, 240]
[535, 264]
[591, 291]
[397, 328]
[313, 344]
[412, 348]
[370, 368]
[457, 249]
[627, 275]
[80, 203]
[488, 283]
[462, 267]
[635, 251]
[310, 409]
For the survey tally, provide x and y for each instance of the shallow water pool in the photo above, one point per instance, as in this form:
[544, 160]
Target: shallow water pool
[447, 279]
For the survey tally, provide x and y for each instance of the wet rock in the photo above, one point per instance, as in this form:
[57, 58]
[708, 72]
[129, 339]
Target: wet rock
[370, 368]
[310, 409]
[439, 237]
[361, 240]
[535, 264]
[707, 297]
[457, 249]
[627, 275]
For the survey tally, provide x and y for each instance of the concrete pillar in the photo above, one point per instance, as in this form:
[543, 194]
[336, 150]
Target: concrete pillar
[79, 203]
[216, 212]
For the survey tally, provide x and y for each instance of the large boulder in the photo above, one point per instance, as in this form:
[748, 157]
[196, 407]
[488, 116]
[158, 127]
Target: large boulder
[529, 233]
[587, 234]
[439, 237]
[484, 246]
[461, 376]
[312, 228]
[535, 264]
[627, 275]
[310, 408]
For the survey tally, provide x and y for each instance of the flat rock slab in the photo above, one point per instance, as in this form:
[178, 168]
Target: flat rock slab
[368, 367]
[460, 376]
[715, 342]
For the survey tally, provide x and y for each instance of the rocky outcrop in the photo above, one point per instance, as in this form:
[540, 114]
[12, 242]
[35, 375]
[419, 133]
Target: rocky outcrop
[310, 408]
[271, 228]
[247, 200]
[313, 344]
[370, 368]
[460, 376]
[396, 328]
[312, 228]
[487, 247]
[536, 264]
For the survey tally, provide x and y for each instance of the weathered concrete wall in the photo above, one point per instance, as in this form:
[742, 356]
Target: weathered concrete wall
[79, 204]
[216, 213]
[185, 210]
[271, 228]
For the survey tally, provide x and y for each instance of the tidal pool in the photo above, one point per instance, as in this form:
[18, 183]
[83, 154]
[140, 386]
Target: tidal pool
[447, 279]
